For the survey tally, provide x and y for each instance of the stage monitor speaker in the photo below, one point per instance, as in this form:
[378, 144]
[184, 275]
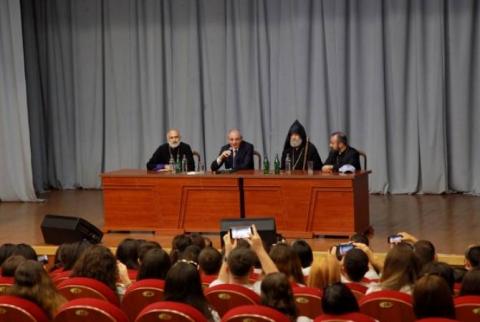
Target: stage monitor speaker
[265, 226]
[58, 230]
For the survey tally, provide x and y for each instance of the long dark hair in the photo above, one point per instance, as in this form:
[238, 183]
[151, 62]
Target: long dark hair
[338, 299]
[287, 262]
[277, 293]
[432, 298]
[183, 285]
[155, 264]
[127, 253]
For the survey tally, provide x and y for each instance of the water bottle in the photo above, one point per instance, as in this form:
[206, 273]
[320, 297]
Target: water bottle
[171, 164]
[266, 166]
[288, 164]
[276, 164]
[178, 165]
[184, 164]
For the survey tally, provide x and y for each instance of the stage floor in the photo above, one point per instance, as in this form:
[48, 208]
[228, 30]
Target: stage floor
[451, 222]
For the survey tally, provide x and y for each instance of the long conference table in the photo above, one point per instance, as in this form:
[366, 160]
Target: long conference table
[303, 205]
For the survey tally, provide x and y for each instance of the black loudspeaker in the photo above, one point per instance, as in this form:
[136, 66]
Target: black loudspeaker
[265, 226]
[58, 230]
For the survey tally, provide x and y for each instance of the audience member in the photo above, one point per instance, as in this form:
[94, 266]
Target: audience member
[155, 264]
[354, 266]
[472, 257]
[127, 253]
[6, 250]
[26, 251]
[305, 254]
[210, 261]
[324, 272]
[287, 262]
[179, 244]
[425, 252]
[191, 253]
[10, 265]
[432, 298]
[145, 246]
[471, 282]
[440, 269]
[338, 299]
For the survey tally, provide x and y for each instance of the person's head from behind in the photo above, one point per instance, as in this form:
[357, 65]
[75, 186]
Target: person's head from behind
[155, 264]
[198, 240]
[144, 246]
[304, 252]
[440, 269]
[234, 138]
[355, 265]
[127, 253]
[324, 272]
[174, 138]
[240, 263]
[400, 269]
[99, 263]
[472, 257]
[276, 292]
[10, 265]
[191, 253]
[338, 299]
[338, 141]
[360, 238]
[425, 252]
[432, 298]
[6, 250]
[210, 261]
[179, 244]
[287, 262]
[183, 284]
[71, 253]
[26, 251]
[33, 283]
[471, 282]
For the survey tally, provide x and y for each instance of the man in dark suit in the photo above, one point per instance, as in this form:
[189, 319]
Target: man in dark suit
[341, 154]
[236, 155]
[173, 148]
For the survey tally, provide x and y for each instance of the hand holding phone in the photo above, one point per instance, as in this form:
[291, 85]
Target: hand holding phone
[241, 232]
[344, 248]
[395, 239]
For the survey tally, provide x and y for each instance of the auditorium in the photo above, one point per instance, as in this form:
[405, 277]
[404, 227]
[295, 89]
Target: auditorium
[239, 160]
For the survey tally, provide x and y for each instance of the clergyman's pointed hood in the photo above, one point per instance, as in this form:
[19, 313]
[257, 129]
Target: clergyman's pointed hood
[297, 128]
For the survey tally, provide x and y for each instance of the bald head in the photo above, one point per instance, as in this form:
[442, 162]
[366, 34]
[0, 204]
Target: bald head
[173, 138]
[234, 137]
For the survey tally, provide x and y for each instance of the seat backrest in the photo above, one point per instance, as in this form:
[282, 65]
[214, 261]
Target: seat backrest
[363, 156]
[258, 155]
[197, 155]
[82, 287]
[348, 317]
[467, 308]
[60, 277]
[391, 306]
[141, 294]
[5, 284]
[89, 309]
[207, 279]
[16, 309]
[308, 301]
[225, 297]
[254, 313]
[436, 320]
[170, 311]
[357, 289]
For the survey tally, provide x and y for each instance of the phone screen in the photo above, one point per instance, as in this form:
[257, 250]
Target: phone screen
[395, 239]
[241, 232]
[344, 248]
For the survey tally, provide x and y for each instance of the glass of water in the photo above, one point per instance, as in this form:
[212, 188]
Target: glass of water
[310, 168]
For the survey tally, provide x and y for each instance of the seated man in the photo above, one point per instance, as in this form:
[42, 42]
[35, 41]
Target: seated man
[297, 147]
[355, 265]
[341, 154]
[472, 258]
[210, 261]
[236, 155]
[173, 148]
[240, 262]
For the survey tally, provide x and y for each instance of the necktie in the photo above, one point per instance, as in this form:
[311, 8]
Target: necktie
[234, 155]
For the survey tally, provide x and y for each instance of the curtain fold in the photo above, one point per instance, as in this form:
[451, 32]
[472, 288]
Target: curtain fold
[107, 78]
[16, 181]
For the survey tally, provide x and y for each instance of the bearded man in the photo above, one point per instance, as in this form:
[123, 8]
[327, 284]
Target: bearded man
[173, 148]
[299, 149]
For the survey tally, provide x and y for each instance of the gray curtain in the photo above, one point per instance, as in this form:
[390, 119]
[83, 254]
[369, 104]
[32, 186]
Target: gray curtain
[107, 78]
[16, 181]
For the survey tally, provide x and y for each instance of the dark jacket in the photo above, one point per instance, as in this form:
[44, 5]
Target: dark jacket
[297, 155]
[243, 159]
[338, 160]
[161, 157]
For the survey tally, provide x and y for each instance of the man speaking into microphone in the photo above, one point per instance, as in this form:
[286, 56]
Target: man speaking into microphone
[236, 155]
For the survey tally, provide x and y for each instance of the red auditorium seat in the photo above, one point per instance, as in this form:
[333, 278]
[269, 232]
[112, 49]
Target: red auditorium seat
[59, 277]
[349, 317]
[308, 301]
[207, 279]
[467, 308]
[391, 306]
[89, 309]
[132, 274]
[15, 309]
[436, 320]
[170, 311]
[357, 289]
[81, 287]
[228, 296]
[141, 294]
[5, 283]
[456, 288]
[254, 313]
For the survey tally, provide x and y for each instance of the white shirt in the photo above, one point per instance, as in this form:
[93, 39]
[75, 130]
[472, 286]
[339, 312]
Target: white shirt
[376, 287]
[256, 287]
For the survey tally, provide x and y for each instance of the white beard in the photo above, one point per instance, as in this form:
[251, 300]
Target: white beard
[174, 145]
[295, 143]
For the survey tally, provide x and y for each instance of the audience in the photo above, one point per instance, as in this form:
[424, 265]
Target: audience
[472, 257]
[179, 244]
[33, 283]
[440, 269]
[210, 261]
[6, 250]
[191, 253]
[432, 298]
[276, 292]
[324, 272]
[305, 254]
[471, 282]
[145, 246]
[10, 265]
[338, 299]
[425, 252]
[127, 253]
[70, 253]
[26, 251]
[183, 285]
[287, 262]
[155, 264]
[354, 266]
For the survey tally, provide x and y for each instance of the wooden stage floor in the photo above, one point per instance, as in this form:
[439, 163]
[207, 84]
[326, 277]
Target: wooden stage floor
[451, 222]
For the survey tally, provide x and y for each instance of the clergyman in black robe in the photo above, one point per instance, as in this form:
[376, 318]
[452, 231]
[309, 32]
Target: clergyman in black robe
[297, 146]
[174, 147]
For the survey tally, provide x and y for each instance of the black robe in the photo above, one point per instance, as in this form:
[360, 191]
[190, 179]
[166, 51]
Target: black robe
[161, 157]
[297, 155]
[338, 160]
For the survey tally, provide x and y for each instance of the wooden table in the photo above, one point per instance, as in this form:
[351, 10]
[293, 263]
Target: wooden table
[303, 205]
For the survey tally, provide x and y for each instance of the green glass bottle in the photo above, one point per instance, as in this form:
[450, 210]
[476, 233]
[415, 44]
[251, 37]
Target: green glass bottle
[266, 166]
[276, 164]
[178, 164]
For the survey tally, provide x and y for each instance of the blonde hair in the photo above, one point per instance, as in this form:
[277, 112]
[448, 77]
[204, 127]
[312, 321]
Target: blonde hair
[324, 272]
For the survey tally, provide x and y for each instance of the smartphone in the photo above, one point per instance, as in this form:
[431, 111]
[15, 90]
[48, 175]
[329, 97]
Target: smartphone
[42, 259]
[241, 232]
[394, 239]
[344, 248]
